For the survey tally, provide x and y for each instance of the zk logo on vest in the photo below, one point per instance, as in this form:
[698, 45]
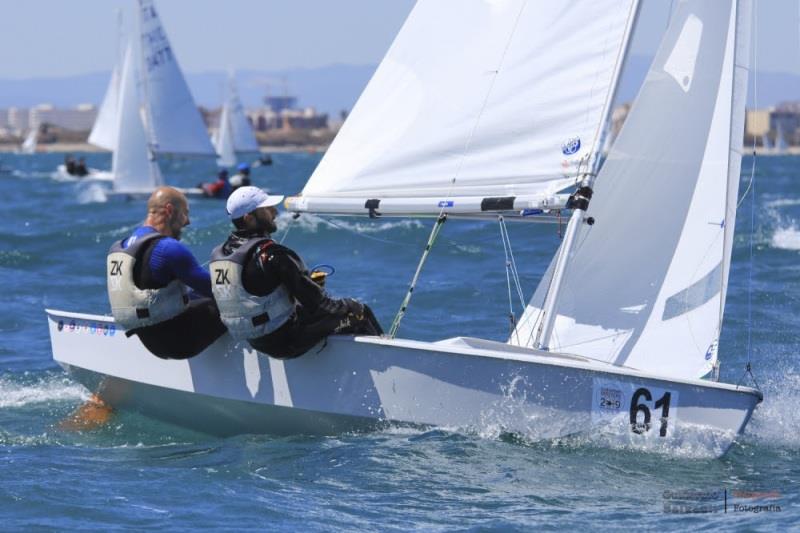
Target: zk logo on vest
[223, 283]
[115, 281]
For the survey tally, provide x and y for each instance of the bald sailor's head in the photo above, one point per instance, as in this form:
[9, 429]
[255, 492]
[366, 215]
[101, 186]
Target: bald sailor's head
[167, 211]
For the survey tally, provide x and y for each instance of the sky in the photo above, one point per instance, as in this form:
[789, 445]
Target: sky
[57, 38]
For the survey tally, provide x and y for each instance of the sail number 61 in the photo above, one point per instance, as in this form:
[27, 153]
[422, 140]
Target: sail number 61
[640, 412]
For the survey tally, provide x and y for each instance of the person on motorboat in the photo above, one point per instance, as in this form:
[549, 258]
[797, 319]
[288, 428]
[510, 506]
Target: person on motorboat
[242, 177]
[69, 164]
[81, 170]
[264, 291]
[220, 188]
[150, 274]
[263, 161]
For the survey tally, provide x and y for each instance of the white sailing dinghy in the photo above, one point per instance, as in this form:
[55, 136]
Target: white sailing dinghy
[155, 113]
[235, 138]
[766, 143]
[781, 146]
[31, 141]
[626, 332]
[135, 171]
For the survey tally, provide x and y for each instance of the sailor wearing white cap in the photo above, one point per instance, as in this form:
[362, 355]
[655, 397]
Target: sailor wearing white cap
[264, 291]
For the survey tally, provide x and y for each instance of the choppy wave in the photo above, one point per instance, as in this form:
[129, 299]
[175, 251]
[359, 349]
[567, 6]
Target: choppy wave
[782, 202]
[14, 393]
[92, 193]
[786, 238]
[312, 223]
[776, 421]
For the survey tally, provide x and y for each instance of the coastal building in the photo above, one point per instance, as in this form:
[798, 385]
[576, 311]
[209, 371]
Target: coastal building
[779, 124]
[79, 118]
[757, 122]
[280, 114]
[17, 120]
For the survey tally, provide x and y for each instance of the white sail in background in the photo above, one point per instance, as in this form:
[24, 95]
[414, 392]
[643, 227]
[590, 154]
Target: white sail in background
[645, 285]
[174, 123]
[31, 140]
[244, 140]
[766, 143]
[104, 130]
[131, 165]
[506, 99]
[223, 141]
[781, 146]
[234, 137]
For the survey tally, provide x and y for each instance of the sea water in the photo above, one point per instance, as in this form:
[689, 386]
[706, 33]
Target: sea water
[137, 472]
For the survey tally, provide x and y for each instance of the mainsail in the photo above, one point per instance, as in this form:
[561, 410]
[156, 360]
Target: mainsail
[645, 284]
[235, 135]
[104, 130]
[499, 107]
[174, 123]
[131, 165]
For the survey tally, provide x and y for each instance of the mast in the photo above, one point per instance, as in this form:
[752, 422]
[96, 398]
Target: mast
[580, 200]
[741, 66]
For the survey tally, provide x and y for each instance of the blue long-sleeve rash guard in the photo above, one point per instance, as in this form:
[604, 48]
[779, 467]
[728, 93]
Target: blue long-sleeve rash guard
[171, 259]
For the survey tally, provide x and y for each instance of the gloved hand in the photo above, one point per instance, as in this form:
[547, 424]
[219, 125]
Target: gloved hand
[354, 307]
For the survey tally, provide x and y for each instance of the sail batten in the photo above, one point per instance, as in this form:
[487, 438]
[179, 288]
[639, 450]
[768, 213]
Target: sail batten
[508, 89]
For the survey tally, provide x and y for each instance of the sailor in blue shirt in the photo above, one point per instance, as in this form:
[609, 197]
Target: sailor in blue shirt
[156, 287]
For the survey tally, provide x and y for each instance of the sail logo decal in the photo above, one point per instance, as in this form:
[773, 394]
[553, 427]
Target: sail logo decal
[571, 146]
[712, 350]
[446, 203]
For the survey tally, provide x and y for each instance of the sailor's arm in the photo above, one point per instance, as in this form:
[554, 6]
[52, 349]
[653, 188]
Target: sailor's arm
[294, 276]
[185, 267]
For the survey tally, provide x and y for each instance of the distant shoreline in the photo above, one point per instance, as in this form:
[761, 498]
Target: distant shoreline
[65, 148]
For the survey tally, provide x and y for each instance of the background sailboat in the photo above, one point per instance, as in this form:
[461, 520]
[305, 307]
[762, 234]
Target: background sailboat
[31, 141]
[234, 139]
[781, 146]
[134, 170]
[766, 143]
[155, 113]
[173, 123]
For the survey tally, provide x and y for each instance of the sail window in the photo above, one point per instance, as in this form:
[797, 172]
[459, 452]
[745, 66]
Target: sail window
[683, 59]
[694, 295]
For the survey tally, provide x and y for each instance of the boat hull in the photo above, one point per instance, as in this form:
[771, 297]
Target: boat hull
[352, 383]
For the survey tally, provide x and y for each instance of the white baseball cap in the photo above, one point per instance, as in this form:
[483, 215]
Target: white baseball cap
[247, 199]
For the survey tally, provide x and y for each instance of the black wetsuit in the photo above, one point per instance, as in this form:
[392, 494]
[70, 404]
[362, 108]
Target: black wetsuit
[185, 335]
[316, 314]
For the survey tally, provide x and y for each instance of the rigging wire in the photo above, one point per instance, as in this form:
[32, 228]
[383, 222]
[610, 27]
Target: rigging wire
[514, 270]
[407, 299]
[751, 189]
[511, 272]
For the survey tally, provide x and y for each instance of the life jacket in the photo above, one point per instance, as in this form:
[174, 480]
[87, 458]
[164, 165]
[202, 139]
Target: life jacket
[132, 306]
[246, 315]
